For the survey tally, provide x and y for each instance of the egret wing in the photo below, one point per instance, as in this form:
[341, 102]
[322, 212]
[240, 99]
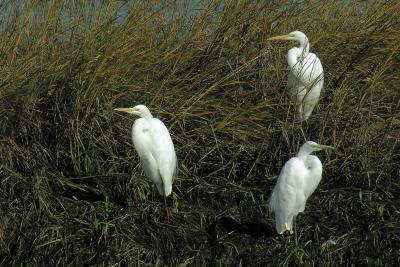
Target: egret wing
[143, 144]
[314, 176]
[311, 98]
[286, 195]
[163, 151]
[310, 71]
[306, 79]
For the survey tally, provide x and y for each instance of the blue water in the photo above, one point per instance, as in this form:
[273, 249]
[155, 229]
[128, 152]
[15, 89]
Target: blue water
[11, 10]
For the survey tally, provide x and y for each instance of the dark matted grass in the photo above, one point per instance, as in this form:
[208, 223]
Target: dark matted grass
[71, 190]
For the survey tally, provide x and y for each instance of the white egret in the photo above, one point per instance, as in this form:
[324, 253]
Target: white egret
[298, 179]
[306, 76]
[155, 149]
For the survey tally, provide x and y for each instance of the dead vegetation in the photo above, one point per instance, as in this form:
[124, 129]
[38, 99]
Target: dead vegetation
[71, 192]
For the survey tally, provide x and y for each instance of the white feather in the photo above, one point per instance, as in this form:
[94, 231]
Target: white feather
[306, 76]
[297, 180]
[156, 152]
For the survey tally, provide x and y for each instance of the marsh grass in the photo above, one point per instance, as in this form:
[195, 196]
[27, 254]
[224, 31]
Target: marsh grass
[72, 192]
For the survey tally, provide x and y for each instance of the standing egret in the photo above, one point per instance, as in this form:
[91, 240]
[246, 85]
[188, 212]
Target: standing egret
[298, 179]
[155, 149]
[306, 76]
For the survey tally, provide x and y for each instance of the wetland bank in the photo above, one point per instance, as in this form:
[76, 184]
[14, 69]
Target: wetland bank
[71, 190]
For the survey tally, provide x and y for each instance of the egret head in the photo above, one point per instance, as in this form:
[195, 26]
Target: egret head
[310, 146]
[297, 36]
[138, 110]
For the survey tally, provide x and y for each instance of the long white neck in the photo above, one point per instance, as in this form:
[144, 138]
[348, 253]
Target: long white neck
[304, 152]
[145, 113]
[304, 46]
[298, 53]
[293, 57]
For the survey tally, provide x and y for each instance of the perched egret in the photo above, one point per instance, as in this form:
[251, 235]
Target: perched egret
[306, 76]
[298, 179]
[155, 149]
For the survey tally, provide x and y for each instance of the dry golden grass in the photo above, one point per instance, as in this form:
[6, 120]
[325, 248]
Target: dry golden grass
[71, 190]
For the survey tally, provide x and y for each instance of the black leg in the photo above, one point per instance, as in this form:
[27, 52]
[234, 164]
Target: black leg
[295, 230]
[165, 203]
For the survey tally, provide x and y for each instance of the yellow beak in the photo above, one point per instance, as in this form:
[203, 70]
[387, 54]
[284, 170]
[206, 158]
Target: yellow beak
[128, 110]
[323, 146]
[280, 37]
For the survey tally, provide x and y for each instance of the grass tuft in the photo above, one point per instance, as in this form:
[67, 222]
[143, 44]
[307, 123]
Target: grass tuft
[71, 190]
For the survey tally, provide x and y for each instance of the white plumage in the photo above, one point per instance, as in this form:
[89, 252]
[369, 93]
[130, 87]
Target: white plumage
[306, 76]
[298, 179]
[154, 147]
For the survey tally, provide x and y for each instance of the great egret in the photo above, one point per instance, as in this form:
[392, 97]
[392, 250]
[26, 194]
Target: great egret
[298, 179]
[306, 76]
[155, 149]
